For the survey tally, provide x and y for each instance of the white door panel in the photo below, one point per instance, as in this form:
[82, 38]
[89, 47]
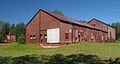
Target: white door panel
[53, 35]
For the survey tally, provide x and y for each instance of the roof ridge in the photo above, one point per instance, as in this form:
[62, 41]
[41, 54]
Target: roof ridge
[101, 22]
[66, 19]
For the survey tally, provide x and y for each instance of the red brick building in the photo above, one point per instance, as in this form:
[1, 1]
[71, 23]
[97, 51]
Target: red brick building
[47, 28]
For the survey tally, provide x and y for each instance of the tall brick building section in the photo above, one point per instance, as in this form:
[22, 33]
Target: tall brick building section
[47, 28]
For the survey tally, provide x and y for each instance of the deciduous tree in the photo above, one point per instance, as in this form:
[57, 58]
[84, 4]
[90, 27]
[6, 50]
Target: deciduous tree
[58, 12]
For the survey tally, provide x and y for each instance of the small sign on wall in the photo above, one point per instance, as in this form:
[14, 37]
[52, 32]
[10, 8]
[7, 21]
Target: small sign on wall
[70, 30]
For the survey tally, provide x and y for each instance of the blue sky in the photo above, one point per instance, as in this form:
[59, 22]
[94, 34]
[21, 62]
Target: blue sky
[14, 11]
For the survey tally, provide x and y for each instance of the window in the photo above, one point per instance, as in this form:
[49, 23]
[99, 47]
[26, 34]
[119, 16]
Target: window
[106, 37]
[45, 35]
[94, 24]
[92, 36]
[32, 37]
[102, 37]
[40, 34]
[66, 35]
[85, 35]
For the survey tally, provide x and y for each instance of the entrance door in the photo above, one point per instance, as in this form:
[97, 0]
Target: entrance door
[43, 36]
[79, 37]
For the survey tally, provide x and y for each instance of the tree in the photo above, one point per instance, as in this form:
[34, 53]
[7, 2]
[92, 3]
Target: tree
[20, 28]
[20, 32]
[58, 12]
[4, 30]
[12, 29]
[1, 23]
[117, 27]
[21, 39]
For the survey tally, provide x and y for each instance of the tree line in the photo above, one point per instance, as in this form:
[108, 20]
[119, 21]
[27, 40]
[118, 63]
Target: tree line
[6, 28]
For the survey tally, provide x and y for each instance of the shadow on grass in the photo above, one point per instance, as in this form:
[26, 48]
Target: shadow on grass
[58, 59]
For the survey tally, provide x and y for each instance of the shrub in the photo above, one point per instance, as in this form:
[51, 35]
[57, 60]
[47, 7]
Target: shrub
[81, 58]
[28, 59]
[58, 59]
[21, 39]
[5, 60]
[31, 59]
[44, 59]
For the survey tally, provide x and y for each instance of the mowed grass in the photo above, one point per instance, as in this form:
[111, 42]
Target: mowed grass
[102, 50]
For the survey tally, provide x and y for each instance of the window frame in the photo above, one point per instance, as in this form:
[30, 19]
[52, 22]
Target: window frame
[66, 35]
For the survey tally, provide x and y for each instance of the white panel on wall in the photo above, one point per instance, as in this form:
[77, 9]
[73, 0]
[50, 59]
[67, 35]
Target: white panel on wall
[53, 35]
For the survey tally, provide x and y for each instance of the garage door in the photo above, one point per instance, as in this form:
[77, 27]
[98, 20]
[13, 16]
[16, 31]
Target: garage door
[53, 35]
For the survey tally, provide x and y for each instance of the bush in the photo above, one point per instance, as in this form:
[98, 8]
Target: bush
[21, 39]
[31, 59]
[81, 58]
[58, 59]
[5, 60]
[44, 59]
[28, 59]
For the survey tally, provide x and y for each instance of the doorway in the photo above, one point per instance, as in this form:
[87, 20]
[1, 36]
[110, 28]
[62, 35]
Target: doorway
[43, 36]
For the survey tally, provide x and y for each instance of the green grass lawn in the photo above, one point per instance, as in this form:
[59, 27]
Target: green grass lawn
[102, 50]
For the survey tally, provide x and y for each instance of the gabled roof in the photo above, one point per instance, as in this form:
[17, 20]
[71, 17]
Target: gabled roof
[67, 19]
[32, 18]
[100, 22]
[63, 18]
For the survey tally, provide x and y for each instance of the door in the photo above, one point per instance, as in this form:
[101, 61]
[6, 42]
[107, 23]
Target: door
[53, 35]
[43, 36]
